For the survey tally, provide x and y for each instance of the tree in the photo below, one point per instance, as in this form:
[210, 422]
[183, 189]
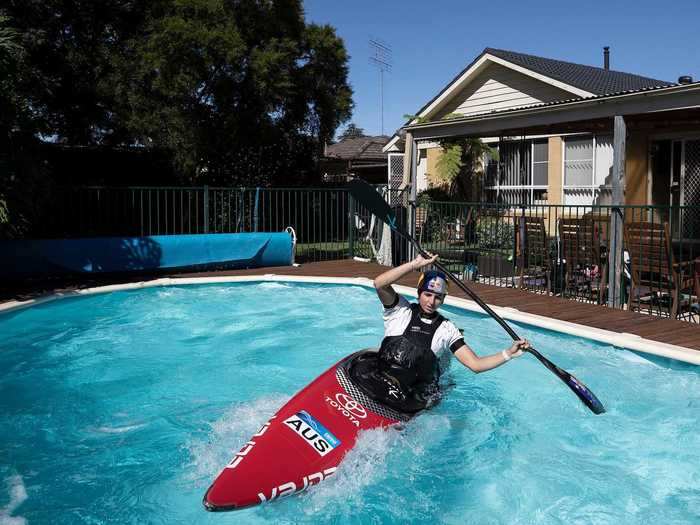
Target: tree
[236, 98]
[352, 132]
[65, 75]
[239, 91]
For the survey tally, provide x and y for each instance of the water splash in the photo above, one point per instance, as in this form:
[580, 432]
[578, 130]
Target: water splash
[18, 494]
[227, 436]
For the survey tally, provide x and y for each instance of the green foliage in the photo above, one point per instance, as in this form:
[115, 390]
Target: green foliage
[435, 194]
[239, 91]
[4, 212]
[351, 132]
[237, 99]
[419, 120]
[14, 111]
[450, 163]
[9, 41]
[494, 233]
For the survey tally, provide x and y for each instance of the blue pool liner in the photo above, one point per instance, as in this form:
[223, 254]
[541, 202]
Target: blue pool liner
[53, 257]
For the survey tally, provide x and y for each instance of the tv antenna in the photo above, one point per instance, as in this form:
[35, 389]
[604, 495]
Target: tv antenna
[381, 59]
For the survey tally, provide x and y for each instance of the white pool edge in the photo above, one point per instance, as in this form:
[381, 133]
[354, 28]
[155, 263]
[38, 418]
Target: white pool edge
[622, 340]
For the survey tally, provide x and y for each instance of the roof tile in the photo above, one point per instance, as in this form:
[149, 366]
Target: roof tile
[593, 79]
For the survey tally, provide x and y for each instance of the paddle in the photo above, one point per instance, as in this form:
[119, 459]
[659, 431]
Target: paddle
[376, 204]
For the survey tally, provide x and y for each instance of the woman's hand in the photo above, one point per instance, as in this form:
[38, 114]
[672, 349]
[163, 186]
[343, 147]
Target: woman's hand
[420, 261]
[516, 349]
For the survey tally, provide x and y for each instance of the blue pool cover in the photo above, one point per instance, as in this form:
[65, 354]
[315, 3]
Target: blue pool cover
[49, 257]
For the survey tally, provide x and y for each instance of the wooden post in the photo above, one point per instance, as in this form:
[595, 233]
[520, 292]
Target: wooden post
[407, 158]
[617, 218]
[412, 199]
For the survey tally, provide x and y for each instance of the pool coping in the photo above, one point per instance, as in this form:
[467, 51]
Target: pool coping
[622, 340]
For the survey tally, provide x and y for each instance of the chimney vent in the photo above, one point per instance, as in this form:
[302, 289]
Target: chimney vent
[685, 79]
[606, 57]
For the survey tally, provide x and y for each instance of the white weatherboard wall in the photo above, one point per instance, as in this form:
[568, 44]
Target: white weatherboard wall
[499, 88]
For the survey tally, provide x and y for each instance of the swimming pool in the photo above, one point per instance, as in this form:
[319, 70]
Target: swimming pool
[122, 407]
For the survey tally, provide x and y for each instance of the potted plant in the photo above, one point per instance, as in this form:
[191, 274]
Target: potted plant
[495, 239]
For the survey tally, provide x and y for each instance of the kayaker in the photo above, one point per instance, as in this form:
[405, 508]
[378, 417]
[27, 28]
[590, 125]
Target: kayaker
[418, 341]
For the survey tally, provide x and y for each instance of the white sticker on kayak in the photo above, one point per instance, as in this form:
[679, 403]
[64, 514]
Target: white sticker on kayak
[312, 432]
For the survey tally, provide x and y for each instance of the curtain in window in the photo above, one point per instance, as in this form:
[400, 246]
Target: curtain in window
[578, 162]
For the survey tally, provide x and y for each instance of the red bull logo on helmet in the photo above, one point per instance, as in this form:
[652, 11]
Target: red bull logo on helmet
[433, 281]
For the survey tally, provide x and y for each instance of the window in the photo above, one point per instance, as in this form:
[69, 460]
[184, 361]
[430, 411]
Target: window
[578, 162]
[540, 163]
[587, 169]
[522, 172]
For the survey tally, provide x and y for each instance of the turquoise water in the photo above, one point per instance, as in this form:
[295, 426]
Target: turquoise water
[122, 407]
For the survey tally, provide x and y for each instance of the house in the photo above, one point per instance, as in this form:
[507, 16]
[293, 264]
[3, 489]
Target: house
[355, 157]
[553, 123]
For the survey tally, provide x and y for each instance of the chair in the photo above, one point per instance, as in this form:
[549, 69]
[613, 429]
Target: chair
[532, 253]
[585, 267]
[657, 281]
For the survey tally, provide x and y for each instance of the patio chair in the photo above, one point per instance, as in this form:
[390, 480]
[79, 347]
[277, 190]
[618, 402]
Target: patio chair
[532, 253]
[658, 283]
[585, 266]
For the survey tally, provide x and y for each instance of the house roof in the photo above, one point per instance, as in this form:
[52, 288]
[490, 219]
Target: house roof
[358, 148]
[594, 79]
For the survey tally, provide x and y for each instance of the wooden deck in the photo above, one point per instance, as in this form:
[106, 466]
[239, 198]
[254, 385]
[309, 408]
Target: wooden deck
[657, 329]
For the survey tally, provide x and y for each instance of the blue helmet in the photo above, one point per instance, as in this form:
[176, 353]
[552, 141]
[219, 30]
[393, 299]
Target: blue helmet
[433, 281]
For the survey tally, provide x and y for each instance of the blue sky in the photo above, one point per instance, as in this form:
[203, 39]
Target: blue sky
[433, 41]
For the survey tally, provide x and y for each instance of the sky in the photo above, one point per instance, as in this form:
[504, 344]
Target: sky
[432, 42]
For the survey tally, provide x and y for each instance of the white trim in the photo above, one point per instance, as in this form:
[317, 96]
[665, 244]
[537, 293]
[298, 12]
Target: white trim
[391, 143]
[622, 340]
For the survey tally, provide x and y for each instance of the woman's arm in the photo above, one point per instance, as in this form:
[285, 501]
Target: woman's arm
[384, 281]
[477, 364]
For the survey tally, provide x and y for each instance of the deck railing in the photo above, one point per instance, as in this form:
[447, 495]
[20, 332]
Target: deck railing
[650, 254]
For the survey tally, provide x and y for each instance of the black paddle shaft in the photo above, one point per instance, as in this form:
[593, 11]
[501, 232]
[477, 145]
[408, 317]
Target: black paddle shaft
[376, 204]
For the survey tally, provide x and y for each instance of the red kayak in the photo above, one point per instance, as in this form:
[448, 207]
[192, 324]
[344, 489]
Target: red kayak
[303, 443]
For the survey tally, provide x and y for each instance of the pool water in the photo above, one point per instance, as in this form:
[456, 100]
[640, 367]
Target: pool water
[123, 407]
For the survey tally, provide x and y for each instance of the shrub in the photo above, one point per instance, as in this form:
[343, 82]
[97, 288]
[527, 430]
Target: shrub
[494, 233]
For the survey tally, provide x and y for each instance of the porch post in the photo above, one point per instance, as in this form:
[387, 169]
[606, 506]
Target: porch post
[412, 198]
[616, 217]
[409, 180]
[407, 158]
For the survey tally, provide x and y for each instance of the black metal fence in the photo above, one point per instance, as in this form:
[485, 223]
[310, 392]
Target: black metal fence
[319, 216]
[650, 254]
[324, 224]
[642, 257]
